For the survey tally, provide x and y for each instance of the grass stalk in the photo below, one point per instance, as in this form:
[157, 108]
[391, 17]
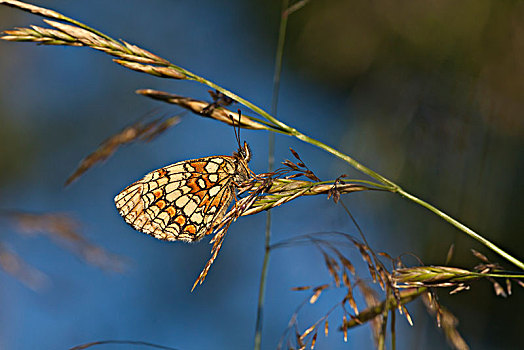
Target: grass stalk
[271, 164]
[462, 228]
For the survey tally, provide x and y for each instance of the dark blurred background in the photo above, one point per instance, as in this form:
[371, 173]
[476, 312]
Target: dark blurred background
[429, 94]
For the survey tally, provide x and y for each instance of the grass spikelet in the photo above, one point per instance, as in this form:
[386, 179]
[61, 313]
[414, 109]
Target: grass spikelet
[349, 297]
[201, 108]
[161, 72]
[300, 343]
[301, 288]
[32, 9]
[307, 331]
[446, 321]
[138, 131]
[436, 276]
[345, 328]
[217, 244]
[316, 293]
[44, 36]
[347, 264]
[407, 315]
[313, 341]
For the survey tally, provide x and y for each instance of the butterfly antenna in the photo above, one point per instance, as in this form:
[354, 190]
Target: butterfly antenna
[236, 128]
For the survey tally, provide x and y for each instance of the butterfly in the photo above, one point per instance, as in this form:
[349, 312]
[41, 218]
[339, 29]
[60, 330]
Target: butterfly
[184, 201]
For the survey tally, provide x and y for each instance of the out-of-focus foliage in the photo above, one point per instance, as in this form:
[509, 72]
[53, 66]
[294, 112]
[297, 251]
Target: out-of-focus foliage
[477, 46]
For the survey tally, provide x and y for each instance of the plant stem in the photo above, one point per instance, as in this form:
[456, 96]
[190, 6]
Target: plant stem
[393, 331]
[271, 162]
[462, 227]
[390, 303]
[261, 296]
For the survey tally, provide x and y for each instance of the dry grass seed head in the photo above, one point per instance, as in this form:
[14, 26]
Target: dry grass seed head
[138, 131]
[314, 340]
[316, 293]
[301, 288]
[65, 230]
[199, 107]
[349, 297]
[345, 328]
[15, 266]
[445, 320]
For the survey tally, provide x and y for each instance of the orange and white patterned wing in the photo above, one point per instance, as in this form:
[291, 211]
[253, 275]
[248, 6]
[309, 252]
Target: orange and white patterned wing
[183, 201]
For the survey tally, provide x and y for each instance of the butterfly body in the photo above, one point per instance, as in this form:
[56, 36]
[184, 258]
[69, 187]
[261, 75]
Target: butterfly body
[186, 200]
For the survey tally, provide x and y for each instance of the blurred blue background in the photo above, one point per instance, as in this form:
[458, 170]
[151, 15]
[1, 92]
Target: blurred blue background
[428, 94]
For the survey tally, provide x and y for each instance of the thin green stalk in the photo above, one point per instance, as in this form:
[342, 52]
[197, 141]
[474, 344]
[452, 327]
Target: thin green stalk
[381, 343]
[261, 297]
[462, 227]
[393, 331]
[497, 275]
[271, 163]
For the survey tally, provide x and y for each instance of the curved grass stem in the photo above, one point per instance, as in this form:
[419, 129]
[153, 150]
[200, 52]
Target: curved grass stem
[462, 227]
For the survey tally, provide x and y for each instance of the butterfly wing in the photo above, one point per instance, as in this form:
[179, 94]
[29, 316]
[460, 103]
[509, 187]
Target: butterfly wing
[183, 201]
